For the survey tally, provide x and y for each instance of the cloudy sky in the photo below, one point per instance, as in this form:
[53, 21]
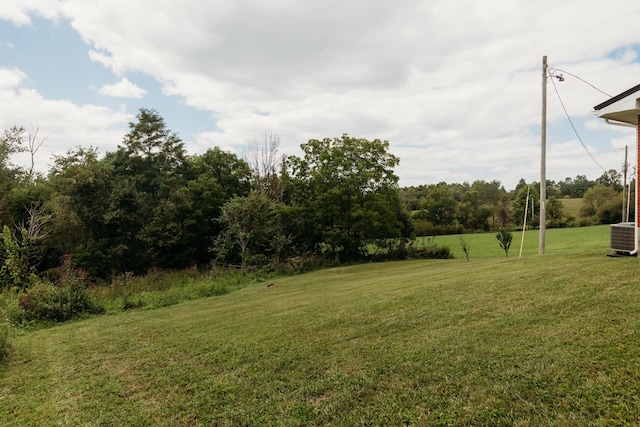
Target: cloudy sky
[455, 86]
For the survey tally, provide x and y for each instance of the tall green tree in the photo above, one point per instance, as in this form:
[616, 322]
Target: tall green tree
[440, 209]
[81, 186]
[214, 178]
[143, 216]
[611, 178]
[348, 191]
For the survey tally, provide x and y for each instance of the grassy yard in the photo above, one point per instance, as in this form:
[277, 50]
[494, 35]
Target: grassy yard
[557, 241]
[542, 340]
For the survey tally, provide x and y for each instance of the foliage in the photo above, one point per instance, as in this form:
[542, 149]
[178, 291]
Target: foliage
[252, 230]
[148, 205]
[346, 190]
[430, 250]
[575, 188]
[161, 288]
[408, 249]
[610, 212]
[145, 205]
[11, 142]
[439, 207]
[65, 299]
[555, 213]
[611, 178]
[520, 205]
[504, 238]
[16, 272]
[602, 203]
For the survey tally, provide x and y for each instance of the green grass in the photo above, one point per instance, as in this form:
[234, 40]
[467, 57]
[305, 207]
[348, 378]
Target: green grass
[544, 340]
[557, 241]
[572, 207]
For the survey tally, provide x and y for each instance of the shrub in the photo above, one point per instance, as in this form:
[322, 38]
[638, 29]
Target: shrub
[67, 298]
[429, 249]
[40, 303]
[403, 249]
[610, 212]
[504, 238]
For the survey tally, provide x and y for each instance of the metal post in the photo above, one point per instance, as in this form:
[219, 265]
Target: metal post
[625, 215]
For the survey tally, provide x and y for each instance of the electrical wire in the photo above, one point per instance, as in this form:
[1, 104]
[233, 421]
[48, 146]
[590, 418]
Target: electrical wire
[552, 70]
[574, 128]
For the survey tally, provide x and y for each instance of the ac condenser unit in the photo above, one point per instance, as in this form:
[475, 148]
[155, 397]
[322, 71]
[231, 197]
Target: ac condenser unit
[623, 237]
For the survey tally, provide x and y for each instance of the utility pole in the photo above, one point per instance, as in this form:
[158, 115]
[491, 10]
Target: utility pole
[543, 159]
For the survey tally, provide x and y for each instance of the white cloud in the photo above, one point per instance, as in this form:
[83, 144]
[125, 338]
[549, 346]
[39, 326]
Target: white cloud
[10, 78]
[454, 86]
[123, 89]
[18, 11]
[64, 125]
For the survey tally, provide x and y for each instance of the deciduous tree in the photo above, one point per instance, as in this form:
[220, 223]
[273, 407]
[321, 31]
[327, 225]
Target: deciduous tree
[348, 191]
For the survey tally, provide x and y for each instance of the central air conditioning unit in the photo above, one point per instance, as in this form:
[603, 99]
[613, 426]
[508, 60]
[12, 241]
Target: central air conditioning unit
[623, 237]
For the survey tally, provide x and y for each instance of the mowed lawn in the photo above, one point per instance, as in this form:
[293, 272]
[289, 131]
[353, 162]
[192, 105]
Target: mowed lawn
[542, 340]
[557, 241]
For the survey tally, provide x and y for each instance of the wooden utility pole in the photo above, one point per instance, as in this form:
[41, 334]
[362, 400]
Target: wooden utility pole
[543, 159]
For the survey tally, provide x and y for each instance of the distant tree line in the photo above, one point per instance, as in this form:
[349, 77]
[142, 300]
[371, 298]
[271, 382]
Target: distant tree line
[485, 205]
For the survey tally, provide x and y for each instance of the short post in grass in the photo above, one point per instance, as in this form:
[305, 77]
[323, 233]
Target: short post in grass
[504, 238]
[465, 247]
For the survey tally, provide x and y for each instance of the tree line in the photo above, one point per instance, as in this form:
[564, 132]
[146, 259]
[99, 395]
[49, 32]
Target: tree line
[150, 205]
[484, 206]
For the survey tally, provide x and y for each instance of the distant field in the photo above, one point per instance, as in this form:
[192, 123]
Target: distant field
[557, 241]
[572, 207]
[548, 340]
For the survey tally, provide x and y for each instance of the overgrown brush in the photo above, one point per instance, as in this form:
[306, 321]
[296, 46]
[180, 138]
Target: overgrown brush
[402, 249]
[66, 298]
[164, 288]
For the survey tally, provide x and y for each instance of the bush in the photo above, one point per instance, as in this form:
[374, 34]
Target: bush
[610, 212]
[404, 249]
[430, 251]
[505, 238]
[67, 298]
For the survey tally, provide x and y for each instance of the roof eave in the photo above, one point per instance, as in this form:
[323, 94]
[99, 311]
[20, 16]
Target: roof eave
[617, 98]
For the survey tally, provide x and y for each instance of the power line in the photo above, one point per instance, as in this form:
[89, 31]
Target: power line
[574, 128]
[582, 80]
